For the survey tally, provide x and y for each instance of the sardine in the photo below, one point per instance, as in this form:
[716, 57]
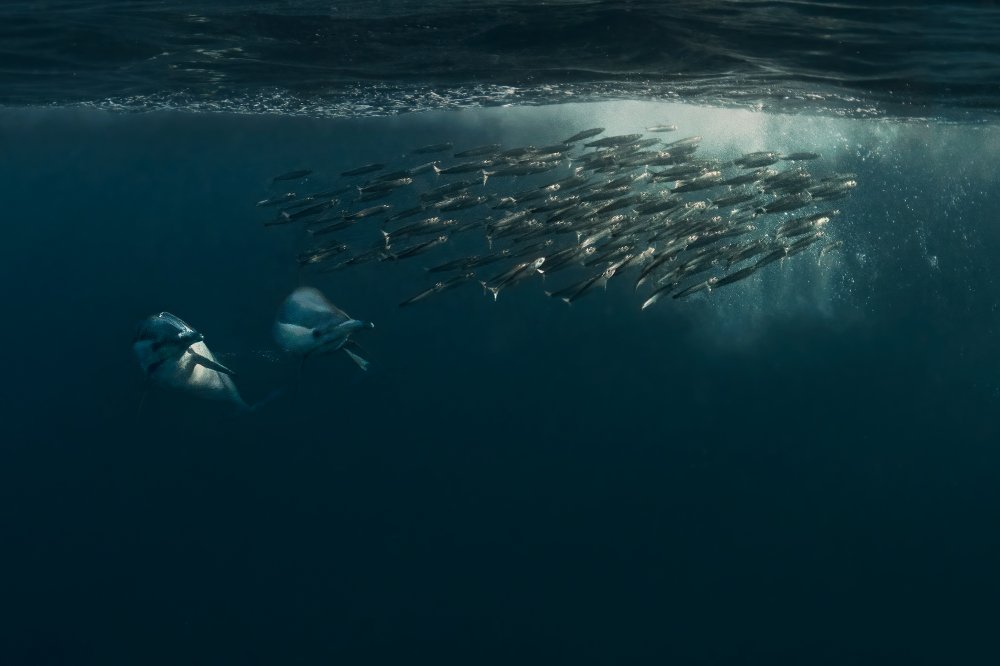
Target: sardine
[384, 185]
[686, 142]
[439, 193]
[438, 287]
[658, 293]
[459, 203]
[519, 169]
[276, 200]
[704, 181]
[464, 167]
[580, 289]
[419, 248]
[409, 212]
[771, 257]
[308, 212]
[707, 285]
[741, 274]
[585, 134]
[488, 149]
[750, 177]
[803, 243]
[361, 170]
[756, 160]
[432, 148]
[320, 254]
[613, 141]
[368, 212]
[786, 203]
[797, 157]
[422, 168]
[292, 175]
[516, 273]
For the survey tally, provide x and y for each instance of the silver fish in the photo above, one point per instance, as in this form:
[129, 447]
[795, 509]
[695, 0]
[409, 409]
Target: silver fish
[292, 175]
[609, 141]
[585, 134]
[432, 148]
[276, 200]
[741, 274]
[488, 149]
[438, 287]
[797, 157]
[516, 273]
[707, 285]
[368, 212]
[756, 160]
[361, 170]
[419, 248]
[464, 167]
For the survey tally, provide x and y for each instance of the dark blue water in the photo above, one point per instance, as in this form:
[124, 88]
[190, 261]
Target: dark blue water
[802, 468]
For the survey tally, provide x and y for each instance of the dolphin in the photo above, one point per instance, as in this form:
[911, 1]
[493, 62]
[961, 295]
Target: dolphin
[174, 355]
[308, 324]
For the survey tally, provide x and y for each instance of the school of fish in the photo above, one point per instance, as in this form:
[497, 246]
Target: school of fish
[594, 209]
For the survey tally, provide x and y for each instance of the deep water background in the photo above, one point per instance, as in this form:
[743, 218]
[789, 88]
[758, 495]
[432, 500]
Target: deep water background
[801, 470]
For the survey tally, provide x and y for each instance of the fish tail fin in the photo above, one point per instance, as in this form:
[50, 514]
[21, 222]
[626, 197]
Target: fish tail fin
[437, 169]
[490, 290]
[486, 176]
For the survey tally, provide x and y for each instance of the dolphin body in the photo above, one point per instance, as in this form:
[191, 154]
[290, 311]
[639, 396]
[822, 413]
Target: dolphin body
[308, 324]
[174, 355]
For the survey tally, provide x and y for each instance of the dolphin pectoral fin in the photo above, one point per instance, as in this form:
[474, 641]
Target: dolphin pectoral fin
[362, 363]
[210, 364]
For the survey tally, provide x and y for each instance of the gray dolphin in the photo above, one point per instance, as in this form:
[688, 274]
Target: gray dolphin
[174, 355]
[309, 324]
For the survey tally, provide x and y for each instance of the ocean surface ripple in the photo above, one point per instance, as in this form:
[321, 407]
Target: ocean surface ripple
[912, 60]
